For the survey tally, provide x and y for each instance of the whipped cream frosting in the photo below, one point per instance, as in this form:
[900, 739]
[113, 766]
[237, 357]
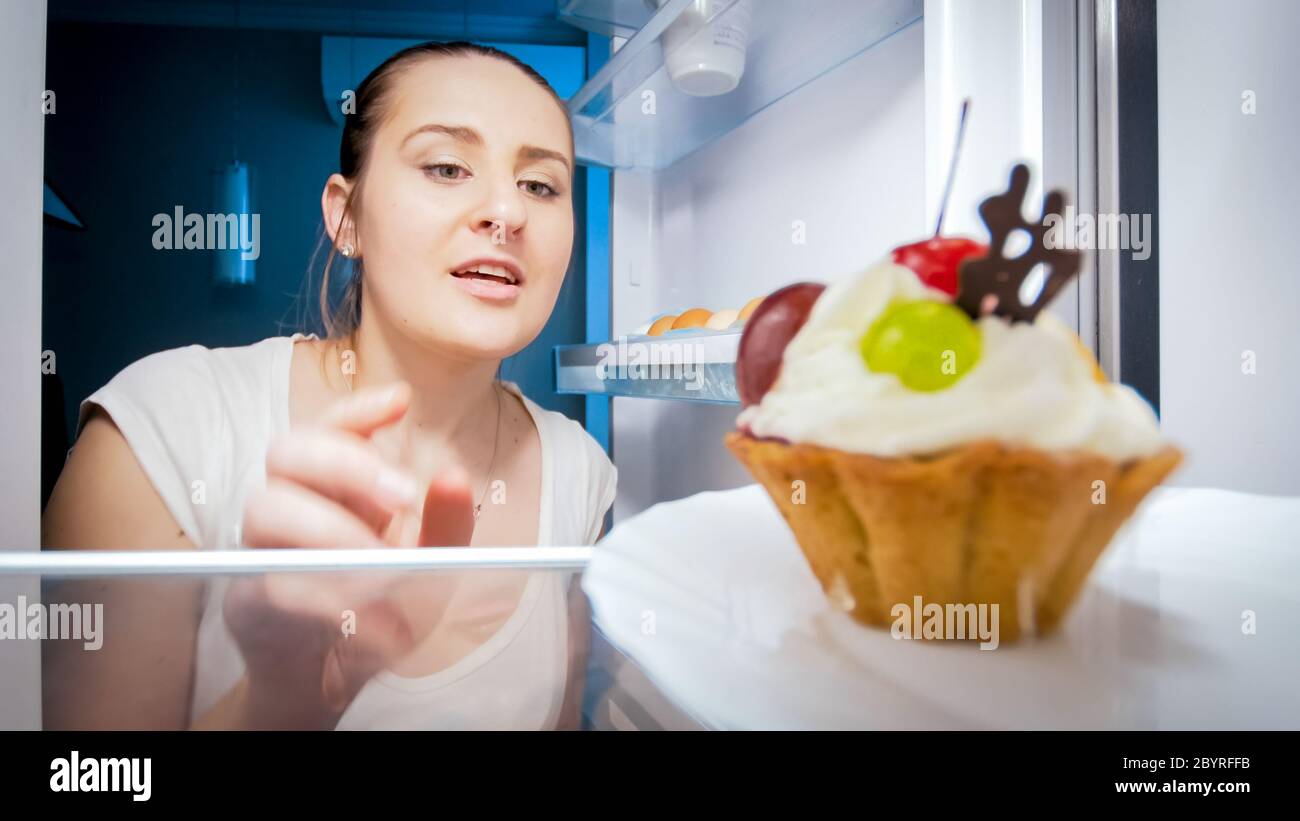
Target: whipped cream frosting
[1032, 386]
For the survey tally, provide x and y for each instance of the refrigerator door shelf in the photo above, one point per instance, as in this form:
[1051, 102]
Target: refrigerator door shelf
[691, 366]
[630, 115]
[610, 18]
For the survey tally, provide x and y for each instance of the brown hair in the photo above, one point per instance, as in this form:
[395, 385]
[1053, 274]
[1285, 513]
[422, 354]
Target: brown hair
[359, 127]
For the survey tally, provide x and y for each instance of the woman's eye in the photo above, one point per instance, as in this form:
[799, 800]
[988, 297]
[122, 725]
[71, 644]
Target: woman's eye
[538, 189]
[445, 171]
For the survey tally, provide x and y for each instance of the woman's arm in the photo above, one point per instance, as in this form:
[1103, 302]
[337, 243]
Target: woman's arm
[141, 675]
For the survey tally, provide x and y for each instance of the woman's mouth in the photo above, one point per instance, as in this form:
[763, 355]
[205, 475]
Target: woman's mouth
[488, 281]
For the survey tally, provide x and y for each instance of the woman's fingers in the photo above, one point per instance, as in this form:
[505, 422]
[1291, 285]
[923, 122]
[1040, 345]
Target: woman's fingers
[343, 467]
[448, 519]
[368, 409]
[332, 458]
[286, 514]
[403, 529]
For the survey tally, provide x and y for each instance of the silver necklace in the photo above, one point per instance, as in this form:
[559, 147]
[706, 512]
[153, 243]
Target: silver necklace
[496, 443]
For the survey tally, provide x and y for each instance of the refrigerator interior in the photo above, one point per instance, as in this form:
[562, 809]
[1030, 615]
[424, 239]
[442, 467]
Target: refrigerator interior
[823, 182]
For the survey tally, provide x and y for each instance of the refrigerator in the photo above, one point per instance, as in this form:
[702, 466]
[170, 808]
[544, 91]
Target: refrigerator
[733, 147]
[835, 146]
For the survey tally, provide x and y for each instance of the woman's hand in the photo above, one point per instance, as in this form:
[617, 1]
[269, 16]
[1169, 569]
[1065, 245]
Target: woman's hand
[329, 487]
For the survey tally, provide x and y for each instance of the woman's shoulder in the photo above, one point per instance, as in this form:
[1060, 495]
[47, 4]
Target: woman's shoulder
[192, 382]
[190, 416]
[199, 361]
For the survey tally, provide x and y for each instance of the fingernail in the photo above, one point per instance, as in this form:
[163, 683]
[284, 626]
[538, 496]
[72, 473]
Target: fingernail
[396, 489]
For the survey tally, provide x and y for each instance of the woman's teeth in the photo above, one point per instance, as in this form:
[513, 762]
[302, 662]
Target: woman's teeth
[493, 272]
[490, 283]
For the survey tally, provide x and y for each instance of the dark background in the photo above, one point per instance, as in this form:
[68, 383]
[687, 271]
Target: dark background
[146, 111]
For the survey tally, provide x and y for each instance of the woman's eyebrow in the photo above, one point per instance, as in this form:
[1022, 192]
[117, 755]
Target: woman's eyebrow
[460, 133]
[465, 134]
[532, 152]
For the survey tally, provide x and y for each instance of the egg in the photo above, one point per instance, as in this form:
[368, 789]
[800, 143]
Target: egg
[722, 319]
[661, 324]
[694, 318]
[749, 307]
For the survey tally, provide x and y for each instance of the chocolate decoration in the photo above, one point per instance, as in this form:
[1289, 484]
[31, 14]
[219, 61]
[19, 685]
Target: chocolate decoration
[991, 284]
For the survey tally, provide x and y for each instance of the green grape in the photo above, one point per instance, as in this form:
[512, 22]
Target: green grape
[928, 345]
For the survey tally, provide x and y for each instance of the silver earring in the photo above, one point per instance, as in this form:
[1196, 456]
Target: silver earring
[347, 250]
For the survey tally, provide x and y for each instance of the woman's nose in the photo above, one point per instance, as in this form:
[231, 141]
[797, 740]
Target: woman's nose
[502, 213]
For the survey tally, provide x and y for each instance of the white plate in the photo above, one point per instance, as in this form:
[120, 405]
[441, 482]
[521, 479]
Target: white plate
[712, 597]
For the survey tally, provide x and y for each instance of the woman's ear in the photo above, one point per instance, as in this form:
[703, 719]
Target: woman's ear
[338, 223]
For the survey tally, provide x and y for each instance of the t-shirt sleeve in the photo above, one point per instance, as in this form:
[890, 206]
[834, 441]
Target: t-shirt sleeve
[170, 412]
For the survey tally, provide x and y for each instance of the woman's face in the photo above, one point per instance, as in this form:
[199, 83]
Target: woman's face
[471, 169]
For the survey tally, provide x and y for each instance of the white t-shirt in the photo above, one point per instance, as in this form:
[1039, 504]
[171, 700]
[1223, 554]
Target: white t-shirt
[199, 420]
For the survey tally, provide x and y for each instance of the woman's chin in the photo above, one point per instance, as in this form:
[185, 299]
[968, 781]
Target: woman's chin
[466, 327]
[465, 339]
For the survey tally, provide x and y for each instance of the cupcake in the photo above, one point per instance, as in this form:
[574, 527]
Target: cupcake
[927, 433]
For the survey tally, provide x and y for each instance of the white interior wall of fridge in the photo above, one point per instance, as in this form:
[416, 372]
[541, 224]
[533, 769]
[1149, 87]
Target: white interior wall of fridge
[825, 181]
[1229, 283]
[815, 187]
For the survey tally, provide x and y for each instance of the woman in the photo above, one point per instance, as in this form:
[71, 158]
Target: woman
[453, 202]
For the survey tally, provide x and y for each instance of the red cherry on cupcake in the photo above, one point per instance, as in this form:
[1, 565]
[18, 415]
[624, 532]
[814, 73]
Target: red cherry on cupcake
[936, 260]
[769, 329]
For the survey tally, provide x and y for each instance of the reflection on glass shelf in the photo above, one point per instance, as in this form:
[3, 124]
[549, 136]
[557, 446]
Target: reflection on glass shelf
[611, 18]
[377, 639]
[630, 115]
[692, 366]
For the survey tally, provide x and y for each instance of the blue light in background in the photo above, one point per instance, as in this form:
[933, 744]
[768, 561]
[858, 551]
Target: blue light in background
[232, 197]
